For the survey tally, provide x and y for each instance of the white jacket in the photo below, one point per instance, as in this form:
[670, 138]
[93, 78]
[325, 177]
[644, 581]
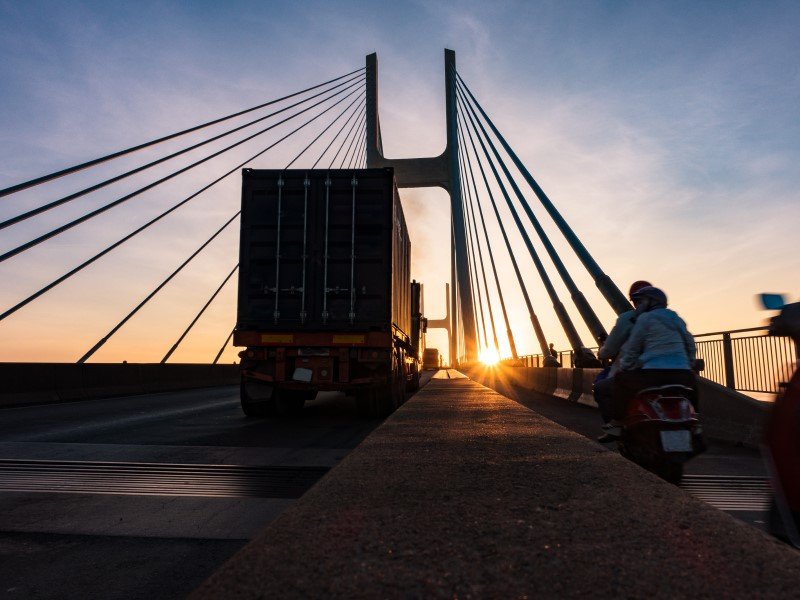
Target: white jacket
[659, 340]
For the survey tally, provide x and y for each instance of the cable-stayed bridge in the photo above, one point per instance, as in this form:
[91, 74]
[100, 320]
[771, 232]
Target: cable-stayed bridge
[191, 446]
[335, 124]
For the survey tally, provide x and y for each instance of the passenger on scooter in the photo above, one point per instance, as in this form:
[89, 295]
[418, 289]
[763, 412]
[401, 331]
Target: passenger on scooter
[609, 351]
[659, 351]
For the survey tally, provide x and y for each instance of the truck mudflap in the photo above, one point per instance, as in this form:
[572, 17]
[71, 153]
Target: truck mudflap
[358, 381]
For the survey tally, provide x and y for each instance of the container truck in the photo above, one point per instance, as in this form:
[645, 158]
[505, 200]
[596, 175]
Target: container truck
[430, 358]
[325, 300]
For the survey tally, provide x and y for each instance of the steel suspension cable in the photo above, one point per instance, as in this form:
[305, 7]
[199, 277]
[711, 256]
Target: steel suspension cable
[347, 136]
[473, 263]
[350, 146]
[472, 192]
[94, 213]
[224, 345]
[509, 334]
[470, 214]
[362, 156]
[477, 302]
[604, 283]
[57, 174]
[321, 133]
[558, 307]
[199, 314]
[137, 231]
[160, 286]
[355, 112]
[584, 309]
[102, 184]
[362, 135]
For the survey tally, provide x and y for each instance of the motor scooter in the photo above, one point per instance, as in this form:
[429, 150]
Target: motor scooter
[781, 446]
[661, 430]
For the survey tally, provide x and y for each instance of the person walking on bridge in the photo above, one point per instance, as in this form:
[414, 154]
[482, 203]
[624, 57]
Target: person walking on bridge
[609, 351]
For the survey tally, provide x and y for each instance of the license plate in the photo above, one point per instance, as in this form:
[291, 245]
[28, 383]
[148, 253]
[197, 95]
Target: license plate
[301, 374]
[676, 441]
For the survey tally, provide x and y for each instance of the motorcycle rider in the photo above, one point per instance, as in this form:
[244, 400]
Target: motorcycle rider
[659, 351]
[609, 351]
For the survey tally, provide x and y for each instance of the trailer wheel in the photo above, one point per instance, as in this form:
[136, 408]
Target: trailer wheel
[376, 402]
[413, 385]
[256, 398]
[289, 403]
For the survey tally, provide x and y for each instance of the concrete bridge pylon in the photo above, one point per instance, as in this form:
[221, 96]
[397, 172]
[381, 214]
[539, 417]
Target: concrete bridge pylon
[434, 171]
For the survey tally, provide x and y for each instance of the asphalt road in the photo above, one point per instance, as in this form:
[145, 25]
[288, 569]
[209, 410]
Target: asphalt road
[729, 477]
[143, 497]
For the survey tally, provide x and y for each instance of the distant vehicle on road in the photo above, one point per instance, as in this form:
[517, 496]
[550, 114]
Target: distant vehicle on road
[430, 358]
[326, 300]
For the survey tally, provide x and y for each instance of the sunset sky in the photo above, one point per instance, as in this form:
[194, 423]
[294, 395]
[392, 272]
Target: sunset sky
[667, 134]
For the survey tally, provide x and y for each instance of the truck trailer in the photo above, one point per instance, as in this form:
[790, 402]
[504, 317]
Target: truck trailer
[325, 297]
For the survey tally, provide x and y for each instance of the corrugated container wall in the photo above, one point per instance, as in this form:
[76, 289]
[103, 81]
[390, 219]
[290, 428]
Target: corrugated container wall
[323, 251]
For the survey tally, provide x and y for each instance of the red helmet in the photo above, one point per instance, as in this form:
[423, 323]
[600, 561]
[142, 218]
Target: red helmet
[637, 285]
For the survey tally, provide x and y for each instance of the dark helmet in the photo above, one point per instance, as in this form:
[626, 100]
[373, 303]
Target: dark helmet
[636, 286]
[658, 297]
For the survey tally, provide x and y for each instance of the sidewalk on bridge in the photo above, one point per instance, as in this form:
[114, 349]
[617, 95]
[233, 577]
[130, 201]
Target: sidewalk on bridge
[465, 493]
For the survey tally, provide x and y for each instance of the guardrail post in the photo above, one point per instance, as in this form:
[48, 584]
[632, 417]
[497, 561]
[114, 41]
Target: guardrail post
[727, 355]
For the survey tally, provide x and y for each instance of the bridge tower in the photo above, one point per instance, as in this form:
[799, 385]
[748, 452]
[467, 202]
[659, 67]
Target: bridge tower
[433, 171]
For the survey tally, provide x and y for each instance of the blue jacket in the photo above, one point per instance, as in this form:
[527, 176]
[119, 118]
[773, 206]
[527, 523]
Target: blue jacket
[659, 340]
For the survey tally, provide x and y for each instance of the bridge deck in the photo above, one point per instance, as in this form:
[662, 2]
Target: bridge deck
[465, 493]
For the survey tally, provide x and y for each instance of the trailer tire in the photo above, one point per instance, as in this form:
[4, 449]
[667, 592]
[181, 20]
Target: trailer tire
[255, 408]
[289, 403]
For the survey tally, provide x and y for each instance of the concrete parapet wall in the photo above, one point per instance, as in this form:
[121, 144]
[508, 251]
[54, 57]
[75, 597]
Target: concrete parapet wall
[727, 415]
[463, 493]
[37, 383]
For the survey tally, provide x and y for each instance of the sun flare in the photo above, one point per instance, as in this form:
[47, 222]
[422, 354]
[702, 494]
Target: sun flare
[489, 356]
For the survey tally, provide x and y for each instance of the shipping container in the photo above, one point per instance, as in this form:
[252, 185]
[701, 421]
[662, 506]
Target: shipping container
[325, 297]
[430, 358]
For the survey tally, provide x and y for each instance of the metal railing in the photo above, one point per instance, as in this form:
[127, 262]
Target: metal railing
[747, 363]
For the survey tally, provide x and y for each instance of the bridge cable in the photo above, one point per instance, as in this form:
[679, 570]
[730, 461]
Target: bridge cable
[607, 287]
[347, 136]
[350, 146]
[158, 288]
[473, 263]
[199, 314]
[587, 313]
[362, 155]
[355, 112]
[353, 162]
[534, 319]
[472, 195]
[477, 302]
[157, 218]
[321, 133]
[558, 306]
[45, 178]
[224, 345]
[474, 187]
[102, 184]
[94, 213]
[561, 313]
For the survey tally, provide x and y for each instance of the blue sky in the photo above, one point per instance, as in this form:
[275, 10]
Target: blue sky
[668, 134]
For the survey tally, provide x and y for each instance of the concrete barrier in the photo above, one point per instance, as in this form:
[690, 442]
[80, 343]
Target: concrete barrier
[727, 415]
[463, 493]
[39, 383]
